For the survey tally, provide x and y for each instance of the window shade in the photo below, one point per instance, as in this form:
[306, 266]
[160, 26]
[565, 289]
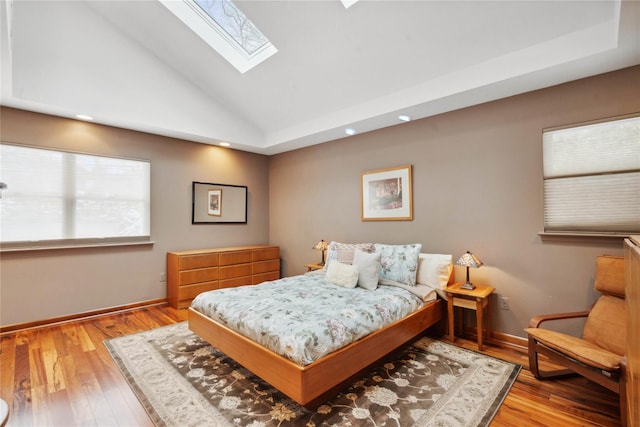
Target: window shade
[57, 196]
[592, 177]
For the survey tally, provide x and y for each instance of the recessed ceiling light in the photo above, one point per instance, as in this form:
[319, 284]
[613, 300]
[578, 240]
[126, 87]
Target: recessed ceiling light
[84, 117]
[350, 131]
[404, 117]
[225, 144]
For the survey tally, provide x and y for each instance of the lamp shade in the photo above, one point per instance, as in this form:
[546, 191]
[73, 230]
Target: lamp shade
[469, 260]
[320, 246]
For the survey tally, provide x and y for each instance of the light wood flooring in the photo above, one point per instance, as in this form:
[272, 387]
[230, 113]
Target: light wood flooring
[62, 375]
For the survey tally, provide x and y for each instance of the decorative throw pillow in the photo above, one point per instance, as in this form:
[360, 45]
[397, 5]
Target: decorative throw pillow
[344, 252]
[399, 262]
[434, 270]
[368, 268]
[340, 274]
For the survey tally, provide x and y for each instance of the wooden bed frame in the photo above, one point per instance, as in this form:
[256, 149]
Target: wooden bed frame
[317, 382]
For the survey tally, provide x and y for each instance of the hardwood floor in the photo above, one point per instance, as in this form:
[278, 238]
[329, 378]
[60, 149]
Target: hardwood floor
[62, 375]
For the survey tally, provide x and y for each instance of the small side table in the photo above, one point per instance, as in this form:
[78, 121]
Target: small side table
[476, 299]
[311, 267]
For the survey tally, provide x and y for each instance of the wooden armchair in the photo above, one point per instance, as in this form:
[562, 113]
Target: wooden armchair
[599, 354]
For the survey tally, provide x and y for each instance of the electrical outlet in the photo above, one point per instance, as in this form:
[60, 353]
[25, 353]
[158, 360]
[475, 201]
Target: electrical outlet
[504, 303]
[163, 277]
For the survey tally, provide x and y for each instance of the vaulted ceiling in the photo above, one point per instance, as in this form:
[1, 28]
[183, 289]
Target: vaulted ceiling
[134, 65]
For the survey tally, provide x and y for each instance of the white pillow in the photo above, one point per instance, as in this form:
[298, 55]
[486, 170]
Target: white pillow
[434, 270]
[368, 268]
[340, 274]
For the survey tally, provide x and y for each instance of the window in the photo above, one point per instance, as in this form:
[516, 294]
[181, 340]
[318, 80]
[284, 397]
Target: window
[224, 27]
[234, 23]
[55, 197]
[592, 177]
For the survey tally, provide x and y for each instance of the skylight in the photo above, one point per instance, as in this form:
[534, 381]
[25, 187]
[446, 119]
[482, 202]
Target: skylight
[348, 3]
[226, 29]
[234, 23]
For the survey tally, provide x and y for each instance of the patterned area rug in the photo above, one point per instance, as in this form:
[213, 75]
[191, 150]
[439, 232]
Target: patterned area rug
[183, 381]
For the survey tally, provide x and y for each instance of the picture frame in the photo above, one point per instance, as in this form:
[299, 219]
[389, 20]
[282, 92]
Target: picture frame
[386, 194]
[214, 206]
[209, 207]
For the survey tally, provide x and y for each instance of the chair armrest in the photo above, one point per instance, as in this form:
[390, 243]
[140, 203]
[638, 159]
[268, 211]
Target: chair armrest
[537, 320]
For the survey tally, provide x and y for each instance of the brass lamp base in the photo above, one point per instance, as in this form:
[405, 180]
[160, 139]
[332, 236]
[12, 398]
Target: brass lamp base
[468, 286]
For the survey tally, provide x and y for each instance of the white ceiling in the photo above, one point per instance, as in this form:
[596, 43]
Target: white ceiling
[132, 64]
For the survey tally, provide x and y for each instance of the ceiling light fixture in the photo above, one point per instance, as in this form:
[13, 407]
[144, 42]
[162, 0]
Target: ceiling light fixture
[225, 144]
[84, 117]
[350, 131]
[404, 117]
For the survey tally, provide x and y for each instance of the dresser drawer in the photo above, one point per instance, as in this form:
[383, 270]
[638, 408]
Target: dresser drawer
[189, 292]
[236, 281]
[236, 257]
[190, 262]
[272, 252]
[232, 271]
[264, 277]
[188, 277]
[266, 266]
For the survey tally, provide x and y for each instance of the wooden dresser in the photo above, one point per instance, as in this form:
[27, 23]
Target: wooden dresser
[190, 273]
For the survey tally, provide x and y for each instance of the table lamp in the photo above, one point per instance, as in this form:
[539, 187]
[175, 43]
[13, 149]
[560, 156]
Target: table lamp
[321, 246]
[468, 260]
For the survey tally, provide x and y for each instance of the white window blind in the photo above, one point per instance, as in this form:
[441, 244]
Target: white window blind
[592, 178]
[56, 197]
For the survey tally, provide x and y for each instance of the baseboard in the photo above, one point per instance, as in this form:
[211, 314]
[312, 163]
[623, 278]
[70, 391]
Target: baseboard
[498, 338]
[79, 316]
[506, 340]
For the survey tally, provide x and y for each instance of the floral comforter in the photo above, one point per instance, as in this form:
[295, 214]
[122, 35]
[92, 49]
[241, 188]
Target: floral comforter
[304, 317]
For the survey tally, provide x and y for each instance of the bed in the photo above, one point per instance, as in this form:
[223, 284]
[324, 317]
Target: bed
[311, 377]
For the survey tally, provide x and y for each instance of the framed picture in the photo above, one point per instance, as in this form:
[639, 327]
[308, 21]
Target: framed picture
[215, 202]
[209, 207]
[386, 194]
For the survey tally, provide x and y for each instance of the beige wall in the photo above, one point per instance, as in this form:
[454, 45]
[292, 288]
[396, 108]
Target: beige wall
[477, 185]
[53, 283]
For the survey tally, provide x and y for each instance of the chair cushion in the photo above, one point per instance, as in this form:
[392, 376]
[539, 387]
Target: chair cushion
[610, 275]
[577, 348]
[606, 325]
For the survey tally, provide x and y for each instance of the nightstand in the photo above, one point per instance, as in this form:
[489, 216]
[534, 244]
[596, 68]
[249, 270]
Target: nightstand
[311, 267]
[476, 299]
